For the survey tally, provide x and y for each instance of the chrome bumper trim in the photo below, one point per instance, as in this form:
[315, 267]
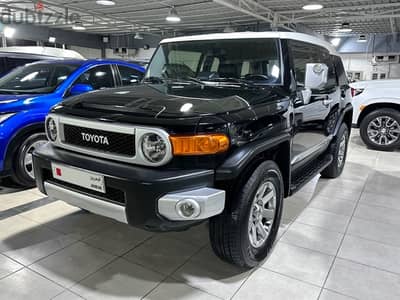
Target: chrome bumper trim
[211, 202]
[91, 204]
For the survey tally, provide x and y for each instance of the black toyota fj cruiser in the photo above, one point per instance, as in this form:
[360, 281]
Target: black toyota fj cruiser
[223, 128]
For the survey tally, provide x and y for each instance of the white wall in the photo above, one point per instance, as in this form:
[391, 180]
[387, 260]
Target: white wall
[363, 63]
[87, 52]
[133, 54]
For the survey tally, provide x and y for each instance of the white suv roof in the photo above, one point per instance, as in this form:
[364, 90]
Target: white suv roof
[255, 35]
[45, 51]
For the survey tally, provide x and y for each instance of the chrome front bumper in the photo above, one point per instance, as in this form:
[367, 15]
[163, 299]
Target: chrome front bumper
[91, 204]
[202, 203]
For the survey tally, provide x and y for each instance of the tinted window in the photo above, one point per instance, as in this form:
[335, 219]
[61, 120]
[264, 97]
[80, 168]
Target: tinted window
[129, 75]
[329, 61]
[340, 71]
[304, 53]
[254, 60]
[36, 78]
[98, 77]
[7, 64]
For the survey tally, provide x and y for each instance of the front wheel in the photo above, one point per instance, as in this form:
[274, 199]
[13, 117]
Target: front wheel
[23, 163]
[246, 231]
[380, 129]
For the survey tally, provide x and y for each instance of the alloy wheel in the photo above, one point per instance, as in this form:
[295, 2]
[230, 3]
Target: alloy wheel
[383, 131]
[342, 151]
[28, 158]
[262, 214]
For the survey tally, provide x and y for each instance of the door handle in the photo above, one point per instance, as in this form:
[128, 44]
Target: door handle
[327, 101]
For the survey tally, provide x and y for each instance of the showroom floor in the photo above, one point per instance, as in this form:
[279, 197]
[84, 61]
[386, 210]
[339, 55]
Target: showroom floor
[339, 240]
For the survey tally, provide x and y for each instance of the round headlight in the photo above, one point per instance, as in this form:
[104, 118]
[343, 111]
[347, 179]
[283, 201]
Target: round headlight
[51, 129]
[154, 147]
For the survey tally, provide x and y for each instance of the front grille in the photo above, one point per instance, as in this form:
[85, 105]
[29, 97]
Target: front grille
[100, 140]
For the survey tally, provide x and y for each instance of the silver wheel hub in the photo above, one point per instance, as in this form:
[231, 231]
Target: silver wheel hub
[383, 131]
[28, 159]
[262, 214]
[342, 151]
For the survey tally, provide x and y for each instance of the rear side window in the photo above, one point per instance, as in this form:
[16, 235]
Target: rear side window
[100, 77]
[129, 75]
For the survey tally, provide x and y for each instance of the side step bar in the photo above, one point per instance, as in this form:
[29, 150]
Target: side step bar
[309, 171]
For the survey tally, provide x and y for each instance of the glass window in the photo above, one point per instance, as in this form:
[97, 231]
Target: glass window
[305, 53]
[129, 75]
[36, 78]
[253, 60]
[100, 77]
[188, 58]
[329, 61]
[341, 73]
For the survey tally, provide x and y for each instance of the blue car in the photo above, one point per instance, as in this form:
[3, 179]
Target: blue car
[27, 94]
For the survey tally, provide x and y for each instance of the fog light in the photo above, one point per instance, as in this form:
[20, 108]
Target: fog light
[188, 208]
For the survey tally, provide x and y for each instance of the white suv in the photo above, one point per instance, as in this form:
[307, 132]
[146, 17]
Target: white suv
[377, 113]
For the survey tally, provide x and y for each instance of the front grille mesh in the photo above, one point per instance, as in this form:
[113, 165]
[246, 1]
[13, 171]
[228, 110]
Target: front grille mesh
[117, 143]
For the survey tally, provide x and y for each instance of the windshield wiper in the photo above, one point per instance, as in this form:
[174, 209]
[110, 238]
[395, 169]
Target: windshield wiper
[232, 80]
[154, 79]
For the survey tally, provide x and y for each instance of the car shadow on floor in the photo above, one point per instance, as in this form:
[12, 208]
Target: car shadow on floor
[7, 187]
[58, 248]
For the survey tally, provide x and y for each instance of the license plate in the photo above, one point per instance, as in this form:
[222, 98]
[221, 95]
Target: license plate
[79, 177]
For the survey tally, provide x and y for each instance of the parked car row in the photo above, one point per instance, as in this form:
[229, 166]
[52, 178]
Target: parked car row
[28, 93]
[217, 132]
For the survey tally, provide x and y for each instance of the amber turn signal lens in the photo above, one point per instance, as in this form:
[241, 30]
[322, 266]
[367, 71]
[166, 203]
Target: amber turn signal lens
[199, 144]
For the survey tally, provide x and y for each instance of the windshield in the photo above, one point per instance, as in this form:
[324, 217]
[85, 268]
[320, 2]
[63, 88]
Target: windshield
[255, 61]
[36, 78]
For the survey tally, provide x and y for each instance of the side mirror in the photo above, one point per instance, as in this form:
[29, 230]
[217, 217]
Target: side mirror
[80, 88]
[316, 76]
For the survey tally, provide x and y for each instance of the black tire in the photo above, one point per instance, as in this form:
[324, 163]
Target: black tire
[384, 112]
[336, 167]
[20, 175]
[229, 232]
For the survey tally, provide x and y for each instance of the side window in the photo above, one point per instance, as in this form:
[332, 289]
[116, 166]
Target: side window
[340, 71]
[129, 75]
[100, 77]
[329, 61]
[303, 53]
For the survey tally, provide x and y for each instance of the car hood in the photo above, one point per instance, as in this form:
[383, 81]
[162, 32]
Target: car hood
[7, 99]
[173, 101]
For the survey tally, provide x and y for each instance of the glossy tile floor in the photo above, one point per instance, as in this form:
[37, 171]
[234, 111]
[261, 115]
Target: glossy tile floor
[340, 239]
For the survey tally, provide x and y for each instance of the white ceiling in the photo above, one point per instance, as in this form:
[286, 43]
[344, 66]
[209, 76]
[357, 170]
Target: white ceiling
[364, 16]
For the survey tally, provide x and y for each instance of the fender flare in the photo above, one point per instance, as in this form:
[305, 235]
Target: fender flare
[346, 110]
[243, 156]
